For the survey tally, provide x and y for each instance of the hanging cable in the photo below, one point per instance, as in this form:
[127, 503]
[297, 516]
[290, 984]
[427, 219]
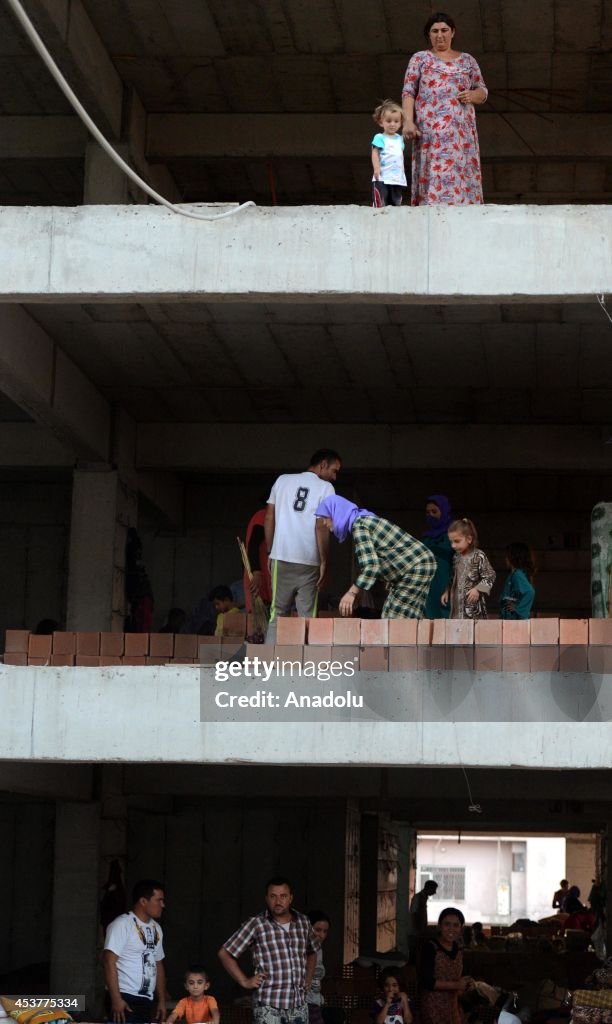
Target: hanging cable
[602, 302]
[73, 99]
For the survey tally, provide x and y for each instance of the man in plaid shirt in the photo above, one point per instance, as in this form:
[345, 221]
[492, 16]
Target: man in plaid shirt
[284, 958]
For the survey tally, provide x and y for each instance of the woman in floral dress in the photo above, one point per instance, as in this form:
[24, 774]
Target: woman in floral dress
[440, 89]
[441, 972]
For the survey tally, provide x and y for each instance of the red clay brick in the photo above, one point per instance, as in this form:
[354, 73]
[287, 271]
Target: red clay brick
[210, 654]
[488, 631]
[488, 658]
[403, 632]
[573, 658]
[438, 633]
[459, 658]
[600, 631]
[402, 659]
[62, 660]
[134, 659]
[319, 653]
[15, 658]
[184, 661]
[424, 631]
[515, 632]
[87, 644]
[346, 654]
[161, 645]
[153, 659]
[458, 632]
[136, 645]
[291, 630]
[515, 658]
[430, 659]
[347, 631]
[39, 647]
[38, 662]
[320, 631]
[265, 652]
[109, 659]
[289, 652]
[112, 644]
[374, 659]
[235, 624]
[574, 631]
[600, 658]
[185, 645]
[231, 646]
[88, 660]
[64, 643]
[16, 641]
[374, 632]
[544, 658]
[545, 631]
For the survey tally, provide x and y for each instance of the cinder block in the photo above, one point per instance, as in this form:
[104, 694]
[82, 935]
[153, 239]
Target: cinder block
[459, 658]
[235, 624]
[600, 658]
[515, 632]
[291, 630]
[64, 643]
[544, 658]
[288, 653]
[374, 632]
[488, 658]
[109, 659]
[573, 631]
[424, 631]
[111, 645]
[403, 632]
[438, 633]
[39, 647]
[136, 645]
[573, 658]
[430, 659]
[347, 631]
[161, 645]
[134, 659]
[15, 658]
[62, 660]
[87, 645]
[185, 645]
[88, 660]
[545, 631]
[515, 658]
[16, 641]
[459, 632]
[403, 659]
[374, 659]
[600, 631]
[488, 631]
[320, 631]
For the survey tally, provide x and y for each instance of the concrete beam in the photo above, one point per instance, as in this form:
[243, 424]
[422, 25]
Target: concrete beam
[274, 447]
[57, 781]
[334, 254]
[45, 137]
[30, 444]
[502, 137]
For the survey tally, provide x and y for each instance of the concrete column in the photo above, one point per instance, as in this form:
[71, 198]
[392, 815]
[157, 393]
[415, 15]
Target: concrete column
[104, 183]
[406, 860]
[102, 510]
[75, 967]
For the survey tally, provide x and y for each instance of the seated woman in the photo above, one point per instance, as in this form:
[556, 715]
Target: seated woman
[441, 975]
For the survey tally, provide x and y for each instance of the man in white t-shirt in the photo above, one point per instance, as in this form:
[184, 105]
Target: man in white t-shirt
[134, 958]
[297, 548]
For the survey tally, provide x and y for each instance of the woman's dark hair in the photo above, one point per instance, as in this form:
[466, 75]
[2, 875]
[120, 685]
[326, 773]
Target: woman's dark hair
[318, 915]
[520, 557]
[435, 17]
[451, 912]
[573, 891]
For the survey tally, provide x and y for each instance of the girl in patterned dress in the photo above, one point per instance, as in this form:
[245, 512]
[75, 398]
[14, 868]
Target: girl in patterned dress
[473, 575]
[441, 972]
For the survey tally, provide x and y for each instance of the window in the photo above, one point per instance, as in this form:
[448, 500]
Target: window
[451, 881]
[518, 861]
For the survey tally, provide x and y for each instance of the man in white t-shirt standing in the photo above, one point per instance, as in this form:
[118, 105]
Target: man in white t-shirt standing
[296, 546]
[134, 958]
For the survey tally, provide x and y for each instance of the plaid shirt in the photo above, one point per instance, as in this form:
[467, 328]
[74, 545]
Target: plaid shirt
[279, 953]
[384, 551]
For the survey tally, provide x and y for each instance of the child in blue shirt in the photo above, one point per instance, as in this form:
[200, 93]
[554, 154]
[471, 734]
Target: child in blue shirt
[518, 594]
[389, 178]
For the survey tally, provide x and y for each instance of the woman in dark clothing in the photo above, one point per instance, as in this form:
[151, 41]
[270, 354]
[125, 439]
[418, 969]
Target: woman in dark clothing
[438, 517]
[572, 903]
[441, 975]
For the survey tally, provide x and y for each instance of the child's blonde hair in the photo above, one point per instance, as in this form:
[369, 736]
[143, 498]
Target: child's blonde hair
[466, 528]
[382, 108]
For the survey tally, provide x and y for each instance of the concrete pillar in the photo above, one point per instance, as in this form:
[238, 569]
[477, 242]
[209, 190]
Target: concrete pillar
[102, 510]
[75, 965]
[104, 182]
[406, 861]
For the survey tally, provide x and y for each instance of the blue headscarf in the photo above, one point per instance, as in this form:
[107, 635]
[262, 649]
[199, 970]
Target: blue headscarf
[436, 528]
[342, 513]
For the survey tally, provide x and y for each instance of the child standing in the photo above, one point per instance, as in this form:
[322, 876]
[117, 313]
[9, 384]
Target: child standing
[518, 594]
[197, 1008]
[314, 998]
[393, 1006]
[473, 575]
[389, 178]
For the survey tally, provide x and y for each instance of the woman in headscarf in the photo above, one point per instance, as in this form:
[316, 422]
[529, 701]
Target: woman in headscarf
[438, 518]
[383, 552]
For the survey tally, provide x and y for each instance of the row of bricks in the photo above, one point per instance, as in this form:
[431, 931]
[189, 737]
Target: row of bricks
[443, 632]
[206, 653]
[169, 646]
[485, 658]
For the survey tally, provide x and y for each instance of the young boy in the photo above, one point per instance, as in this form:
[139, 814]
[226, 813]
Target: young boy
[198, 1008]
[223, 600]
[389, 178]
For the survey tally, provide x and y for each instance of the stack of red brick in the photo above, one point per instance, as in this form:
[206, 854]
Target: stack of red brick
[405, 645]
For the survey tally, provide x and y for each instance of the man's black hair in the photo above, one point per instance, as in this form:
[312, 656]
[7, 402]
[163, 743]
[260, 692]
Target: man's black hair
[221, 593]
[145, 889]
[324, 455]
[278, 880]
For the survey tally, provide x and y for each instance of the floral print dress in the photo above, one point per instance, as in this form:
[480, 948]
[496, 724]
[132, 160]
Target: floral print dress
[446, 157]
